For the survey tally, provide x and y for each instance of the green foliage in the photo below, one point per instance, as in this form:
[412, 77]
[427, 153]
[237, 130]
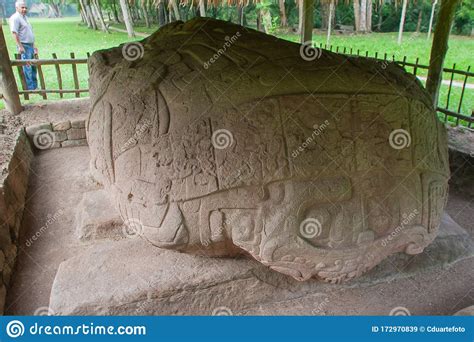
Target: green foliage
[464, 19]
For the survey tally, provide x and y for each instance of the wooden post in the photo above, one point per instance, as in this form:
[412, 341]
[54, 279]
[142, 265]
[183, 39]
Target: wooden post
[8, 85]
[439, 48]
[307, 24]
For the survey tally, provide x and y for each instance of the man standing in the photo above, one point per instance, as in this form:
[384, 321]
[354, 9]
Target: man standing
[25, 41]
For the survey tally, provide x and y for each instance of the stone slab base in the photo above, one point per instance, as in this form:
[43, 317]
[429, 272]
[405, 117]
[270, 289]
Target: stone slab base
[96, 218]
[131, 277]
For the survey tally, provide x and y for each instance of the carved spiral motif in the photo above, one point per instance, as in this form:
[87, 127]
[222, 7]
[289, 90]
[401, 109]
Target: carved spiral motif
[310, 228]
[133, 51]
[399, 139]
[310, 53]
[222, 138]
[43, 139]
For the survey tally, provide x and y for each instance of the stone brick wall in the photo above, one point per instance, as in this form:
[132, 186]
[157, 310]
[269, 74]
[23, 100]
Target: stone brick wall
[55, 135]
[13, 189]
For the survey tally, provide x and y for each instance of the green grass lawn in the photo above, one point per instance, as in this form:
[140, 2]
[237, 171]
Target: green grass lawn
[65, 35]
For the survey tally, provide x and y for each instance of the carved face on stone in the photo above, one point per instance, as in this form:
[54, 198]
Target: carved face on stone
[218, 145]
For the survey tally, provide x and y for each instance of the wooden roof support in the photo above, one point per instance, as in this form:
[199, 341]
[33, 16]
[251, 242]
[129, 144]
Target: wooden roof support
[8, 87]
[307, 25]
[440, 47]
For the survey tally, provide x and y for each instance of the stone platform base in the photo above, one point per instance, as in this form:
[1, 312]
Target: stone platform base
[131, 277]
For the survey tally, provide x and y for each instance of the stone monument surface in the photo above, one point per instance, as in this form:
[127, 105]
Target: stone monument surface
[218, 140]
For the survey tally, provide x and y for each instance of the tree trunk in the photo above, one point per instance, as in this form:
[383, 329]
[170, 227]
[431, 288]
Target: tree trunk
[307, 34]
[439, 48]
[98, 11]
[84, 12]
[83, 19]
[91, 16]
[161, 13]
[202, 8]
[418, 23]
[363, 16]
[126, 18]
[144, 10]
[259, 20]
[402, 21]
[369, 16]
[267, 20]
[56, 10]
[300, 16]
[239, 13]
[357, 15]
[380, 11]
[115, 13]
[431, 18]
[331, 11]
[283, 19]
[175, 9]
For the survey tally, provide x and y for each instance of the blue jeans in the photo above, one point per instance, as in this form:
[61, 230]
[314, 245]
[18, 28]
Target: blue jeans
[29, 70]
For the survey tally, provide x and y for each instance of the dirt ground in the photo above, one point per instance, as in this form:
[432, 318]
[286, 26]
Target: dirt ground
[59, 179]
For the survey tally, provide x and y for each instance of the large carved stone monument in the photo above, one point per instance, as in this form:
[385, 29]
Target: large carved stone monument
[219, 140]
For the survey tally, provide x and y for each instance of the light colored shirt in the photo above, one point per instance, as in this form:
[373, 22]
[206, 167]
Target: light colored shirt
[22, 27]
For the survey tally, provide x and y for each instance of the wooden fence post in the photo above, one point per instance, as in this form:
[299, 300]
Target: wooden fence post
[8, 85]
